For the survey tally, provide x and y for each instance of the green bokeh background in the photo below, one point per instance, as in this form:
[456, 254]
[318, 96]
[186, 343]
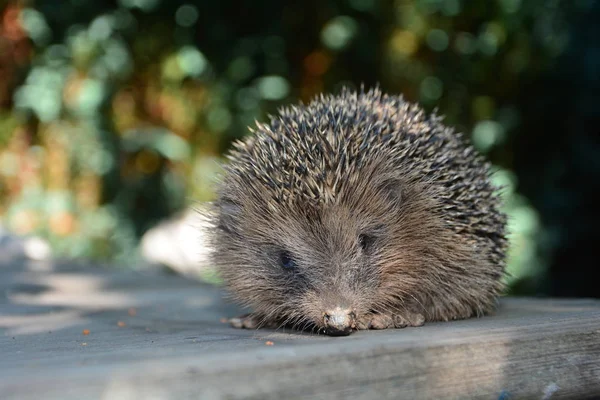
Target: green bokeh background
[114, 114]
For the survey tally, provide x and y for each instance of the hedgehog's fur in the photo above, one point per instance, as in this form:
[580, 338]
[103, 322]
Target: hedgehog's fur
[384, 211]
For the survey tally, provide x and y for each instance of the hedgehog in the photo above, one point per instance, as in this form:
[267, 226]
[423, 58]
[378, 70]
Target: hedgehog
[357, 211]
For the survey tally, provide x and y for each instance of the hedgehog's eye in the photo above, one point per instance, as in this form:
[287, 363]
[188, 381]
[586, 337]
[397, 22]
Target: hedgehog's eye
[286, 260]
[365, 242]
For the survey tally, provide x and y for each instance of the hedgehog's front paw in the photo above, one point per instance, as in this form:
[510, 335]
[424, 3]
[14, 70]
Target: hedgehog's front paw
[362, 323]
[384, 321]
[408, 319]
[374, 321]
[247, 321]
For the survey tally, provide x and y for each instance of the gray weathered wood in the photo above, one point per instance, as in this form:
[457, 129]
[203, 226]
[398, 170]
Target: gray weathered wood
[175, 347]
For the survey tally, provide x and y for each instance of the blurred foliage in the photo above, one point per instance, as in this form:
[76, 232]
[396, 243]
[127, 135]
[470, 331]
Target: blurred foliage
[114, 113]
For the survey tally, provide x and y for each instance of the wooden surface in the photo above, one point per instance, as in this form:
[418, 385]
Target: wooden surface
[156, 336]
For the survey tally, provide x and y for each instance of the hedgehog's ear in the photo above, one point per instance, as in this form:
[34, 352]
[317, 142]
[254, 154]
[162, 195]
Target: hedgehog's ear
[393, 189]
[229, 212]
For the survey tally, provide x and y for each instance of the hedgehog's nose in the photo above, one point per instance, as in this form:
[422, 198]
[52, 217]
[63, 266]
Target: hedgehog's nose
[339, 321]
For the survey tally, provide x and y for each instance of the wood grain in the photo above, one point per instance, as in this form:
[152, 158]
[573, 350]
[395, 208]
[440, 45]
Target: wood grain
[152, 335]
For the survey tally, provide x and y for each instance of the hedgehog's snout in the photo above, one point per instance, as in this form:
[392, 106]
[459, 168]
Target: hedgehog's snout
[339, 321]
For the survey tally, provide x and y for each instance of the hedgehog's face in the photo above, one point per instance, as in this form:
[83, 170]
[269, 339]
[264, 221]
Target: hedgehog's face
[325, 266]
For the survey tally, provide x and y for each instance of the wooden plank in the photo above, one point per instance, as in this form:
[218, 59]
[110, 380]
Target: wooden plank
[173, 346]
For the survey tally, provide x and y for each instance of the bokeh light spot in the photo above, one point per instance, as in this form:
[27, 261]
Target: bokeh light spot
[240, 69]
[273, 87]
[144, 5]
[35, 24]
[191, 61]
[451, 8]
[431, 88]
[465, 43]
[339, 32]
[404, 42]
[186, 15]
[486, 135]
[506, 180]
[437, 40]
[488, 43]
[101, 27]
[91, 95]
[317, 63]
